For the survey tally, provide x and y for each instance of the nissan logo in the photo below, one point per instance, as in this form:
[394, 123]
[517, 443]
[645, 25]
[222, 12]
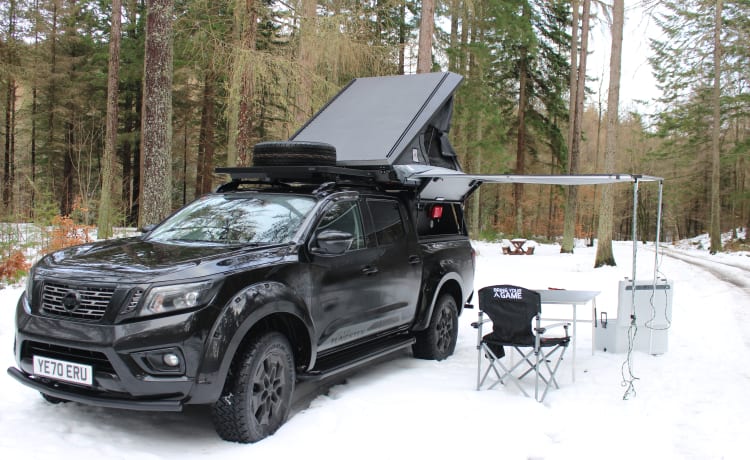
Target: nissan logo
[71, 300]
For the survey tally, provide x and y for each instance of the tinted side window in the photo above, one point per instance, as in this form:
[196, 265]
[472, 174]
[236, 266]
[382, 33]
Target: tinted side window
[386, 219]
[344, 216]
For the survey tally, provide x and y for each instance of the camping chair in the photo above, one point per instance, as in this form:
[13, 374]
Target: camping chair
[511, 309]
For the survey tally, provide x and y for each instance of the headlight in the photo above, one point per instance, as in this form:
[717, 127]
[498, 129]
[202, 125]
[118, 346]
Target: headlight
[29, 290]
[165, 299]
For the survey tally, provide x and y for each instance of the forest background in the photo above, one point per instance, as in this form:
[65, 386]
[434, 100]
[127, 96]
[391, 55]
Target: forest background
[108, 110]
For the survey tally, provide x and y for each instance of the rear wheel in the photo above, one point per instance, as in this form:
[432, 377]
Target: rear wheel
[258, 392]
[438, 341]
[294, 153]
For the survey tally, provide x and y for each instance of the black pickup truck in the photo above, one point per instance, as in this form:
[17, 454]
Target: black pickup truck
[302, 266]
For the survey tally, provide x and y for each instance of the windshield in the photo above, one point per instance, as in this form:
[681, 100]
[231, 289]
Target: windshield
[240, 219]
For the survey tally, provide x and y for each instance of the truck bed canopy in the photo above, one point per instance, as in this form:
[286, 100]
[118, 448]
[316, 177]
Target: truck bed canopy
[384, 121]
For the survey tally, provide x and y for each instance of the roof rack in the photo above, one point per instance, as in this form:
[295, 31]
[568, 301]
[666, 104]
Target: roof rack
[309, 175]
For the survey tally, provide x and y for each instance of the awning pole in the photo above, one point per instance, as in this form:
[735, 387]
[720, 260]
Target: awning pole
[634, 235]
[658, 232]
[628, 365]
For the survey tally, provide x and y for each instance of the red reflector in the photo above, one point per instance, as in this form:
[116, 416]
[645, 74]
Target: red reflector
[436, 212]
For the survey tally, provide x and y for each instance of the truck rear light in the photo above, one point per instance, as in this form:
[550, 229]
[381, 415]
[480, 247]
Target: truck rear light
[436, 212]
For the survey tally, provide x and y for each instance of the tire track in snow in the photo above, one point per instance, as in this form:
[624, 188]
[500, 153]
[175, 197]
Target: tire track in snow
[735, 274]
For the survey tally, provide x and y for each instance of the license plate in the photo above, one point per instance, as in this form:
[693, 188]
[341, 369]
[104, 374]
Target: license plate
[66, 371]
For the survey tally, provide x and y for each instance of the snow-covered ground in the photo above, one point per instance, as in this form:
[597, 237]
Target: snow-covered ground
[691, 402]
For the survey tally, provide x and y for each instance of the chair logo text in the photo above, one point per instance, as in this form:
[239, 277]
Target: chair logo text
[508, 293]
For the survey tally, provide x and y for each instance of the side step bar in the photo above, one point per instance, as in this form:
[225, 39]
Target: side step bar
[355, 357]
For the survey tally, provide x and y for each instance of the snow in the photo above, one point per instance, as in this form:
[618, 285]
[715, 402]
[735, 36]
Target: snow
[691, 402]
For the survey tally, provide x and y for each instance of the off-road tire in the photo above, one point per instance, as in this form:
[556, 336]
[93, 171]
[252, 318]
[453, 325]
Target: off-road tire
[294, 153]
[258, 392]
[438, 341]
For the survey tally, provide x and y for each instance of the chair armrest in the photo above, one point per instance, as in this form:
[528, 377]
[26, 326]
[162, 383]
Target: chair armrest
[542, 330]
[476, 324]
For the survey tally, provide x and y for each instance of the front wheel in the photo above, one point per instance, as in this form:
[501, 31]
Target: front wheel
[438, 341]
[258, 392]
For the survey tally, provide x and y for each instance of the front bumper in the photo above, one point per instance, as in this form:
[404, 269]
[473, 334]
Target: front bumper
[121, 358]
[70, 393]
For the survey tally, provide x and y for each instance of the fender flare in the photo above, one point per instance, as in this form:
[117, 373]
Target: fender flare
[246, 309]
[447, 279]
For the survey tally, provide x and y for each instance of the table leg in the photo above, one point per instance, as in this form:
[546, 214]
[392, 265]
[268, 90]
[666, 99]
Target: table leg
[575, 343]
[593, 325]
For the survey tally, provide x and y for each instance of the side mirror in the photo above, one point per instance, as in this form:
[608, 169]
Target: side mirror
[332, 242]
[147, 228]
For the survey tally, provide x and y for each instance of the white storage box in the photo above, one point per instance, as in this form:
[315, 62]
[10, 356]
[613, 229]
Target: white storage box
[653, 318]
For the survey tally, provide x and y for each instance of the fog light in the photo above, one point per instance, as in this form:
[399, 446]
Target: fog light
[171, 360]
[161, 361]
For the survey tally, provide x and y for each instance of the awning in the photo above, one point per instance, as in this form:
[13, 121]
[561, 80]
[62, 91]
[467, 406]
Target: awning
[449, 185]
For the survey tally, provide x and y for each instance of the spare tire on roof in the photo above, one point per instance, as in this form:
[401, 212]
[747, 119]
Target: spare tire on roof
[294, 153]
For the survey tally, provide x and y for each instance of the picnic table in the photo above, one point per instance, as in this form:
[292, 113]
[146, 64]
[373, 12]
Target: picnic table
[517, 248]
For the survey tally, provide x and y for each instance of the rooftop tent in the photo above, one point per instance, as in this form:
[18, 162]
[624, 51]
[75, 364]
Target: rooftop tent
[384, 121]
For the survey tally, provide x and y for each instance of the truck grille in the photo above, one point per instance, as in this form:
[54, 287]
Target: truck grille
[79, 302]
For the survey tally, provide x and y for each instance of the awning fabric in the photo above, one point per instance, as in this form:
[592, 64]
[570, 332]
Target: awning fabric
[450, 185]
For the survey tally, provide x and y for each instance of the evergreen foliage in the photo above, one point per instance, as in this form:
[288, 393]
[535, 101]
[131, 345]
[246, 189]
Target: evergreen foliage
[511, 113]
[684, 67]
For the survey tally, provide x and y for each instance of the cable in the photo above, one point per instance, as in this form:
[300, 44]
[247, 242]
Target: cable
[628, 378]
[658, 274]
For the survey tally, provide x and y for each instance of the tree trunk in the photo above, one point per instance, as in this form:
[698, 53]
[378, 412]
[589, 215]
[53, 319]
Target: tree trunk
[10, 111]
[156, 127]
[604, 255]
[130, 155]
[204, 170]
[572, 191]
[573, 85]
[402, 38]
[52, 88]
[453, 44]
[34, 110]
[131, 143]
[306, 61]
[521, 141]
[66, 197]
[426, 29]
[106, 202]
[715, 228]
[242, 90]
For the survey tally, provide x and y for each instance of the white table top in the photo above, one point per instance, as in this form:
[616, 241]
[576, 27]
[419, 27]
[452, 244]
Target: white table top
[566, 296]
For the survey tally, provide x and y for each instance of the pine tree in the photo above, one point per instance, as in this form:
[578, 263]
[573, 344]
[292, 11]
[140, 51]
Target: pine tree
[604, 255]
[426, 29]
[11, 85]
[702, 48]
[156, 129]
[571, 204]
[108, 190]
[715, 226]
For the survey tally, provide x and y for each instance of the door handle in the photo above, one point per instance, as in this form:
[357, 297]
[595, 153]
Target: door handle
[414, 260]
[369, 270]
